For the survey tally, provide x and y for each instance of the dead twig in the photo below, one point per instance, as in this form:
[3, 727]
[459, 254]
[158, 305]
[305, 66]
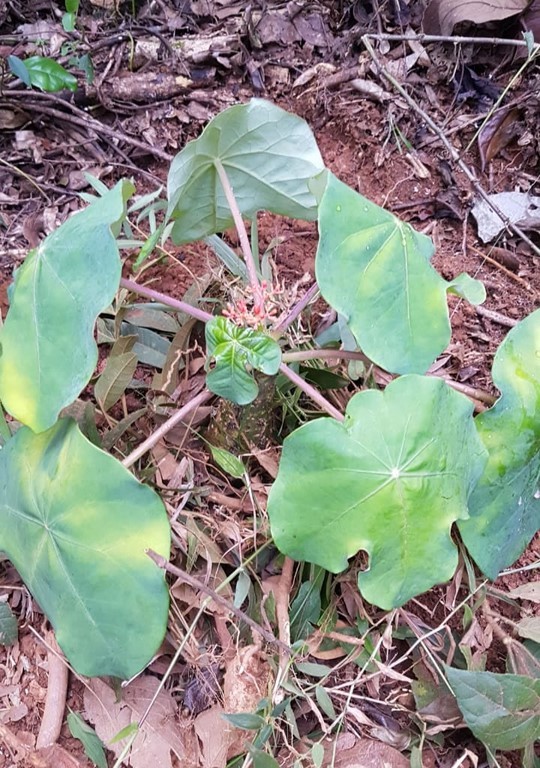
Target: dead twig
[55, 701]
[217, 598]
[454, 154]
[82, 119]
[282, 594]
[496, 317]
[161, 431]
[457, 40]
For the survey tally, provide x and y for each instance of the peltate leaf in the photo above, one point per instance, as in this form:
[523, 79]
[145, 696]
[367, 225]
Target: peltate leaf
[42, 72]
[390, 480]
[503, 711]
[233, 348]
[268, 155]
[375, 270]
[76, 524]
[48, 352]
[505, 505]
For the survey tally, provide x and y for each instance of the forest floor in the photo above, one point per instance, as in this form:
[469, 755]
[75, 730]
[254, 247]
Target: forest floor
[145, 99]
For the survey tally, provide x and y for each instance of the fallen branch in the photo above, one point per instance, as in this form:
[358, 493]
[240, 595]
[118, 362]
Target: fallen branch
[55, 701]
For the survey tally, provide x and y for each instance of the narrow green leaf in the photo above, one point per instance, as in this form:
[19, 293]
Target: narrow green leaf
[503, 711]
[48, 352]
[262, 759]
[227, 461]
[8, 625]
[390, 480]
[44, 73]
[317, 754]
[268, 155]
[305, 610]
[243, 585]
[375, 270]
[225, 254]
[505, 505]
[245, 720]
[233, 349]
[125, 733]
[325, 702]
[313, 669]
[151, 348]
[93, 746]
[86, 522]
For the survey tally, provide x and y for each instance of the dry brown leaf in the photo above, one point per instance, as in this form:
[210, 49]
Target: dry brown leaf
[366, 753]
[215, 735]
[441, 16]
[160, 734]
[497, 133]
[530, 591]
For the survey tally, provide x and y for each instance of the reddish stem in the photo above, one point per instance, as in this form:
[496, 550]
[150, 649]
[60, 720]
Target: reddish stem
[182, 306]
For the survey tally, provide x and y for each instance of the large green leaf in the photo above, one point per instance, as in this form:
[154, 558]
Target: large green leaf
[48, 352]
[503, 711]
[268, 155]
[233, 349]
[505, 505]
[390, 480]
[375, 270]
[76, 524]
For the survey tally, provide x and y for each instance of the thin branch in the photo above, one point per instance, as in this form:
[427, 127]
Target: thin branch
[55, 701]
[472, 392]
[311, 392]
[182, 306]
[217, 598]
[308, 296]
[161, 431]
[454, 154]
[242, 235]
[322, 354]
[448, 39]
[282, 594]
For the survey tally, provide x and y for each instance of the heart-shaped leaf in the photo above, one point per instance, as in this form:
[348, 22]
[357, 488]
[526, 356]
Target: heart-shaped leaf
[390, 480]
[48, 352]
[76, 524]
[233, 348]
[268, 155]
[505, 505]
[503, 711]
[375, 270]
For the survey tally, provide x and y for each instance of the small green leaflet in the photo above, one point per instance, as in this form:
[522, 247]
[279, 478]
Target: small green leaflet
[234, 349]
[8, 625]
[43, 73]
[503, 711]
[92, 744]
[227, 461]
[245, 720]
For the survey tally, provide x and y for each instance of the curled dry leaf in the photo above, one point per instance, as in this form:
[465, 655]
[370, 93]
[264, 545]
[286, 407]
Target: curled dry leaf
[441, 16]
[159, 736]
[497, 133]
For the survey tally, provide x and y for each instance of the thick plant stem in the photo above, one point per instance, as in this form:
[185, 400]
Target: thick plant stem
[55, 702]
[311, 392]
[156, 436]
[181, 306]
[242, 235]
